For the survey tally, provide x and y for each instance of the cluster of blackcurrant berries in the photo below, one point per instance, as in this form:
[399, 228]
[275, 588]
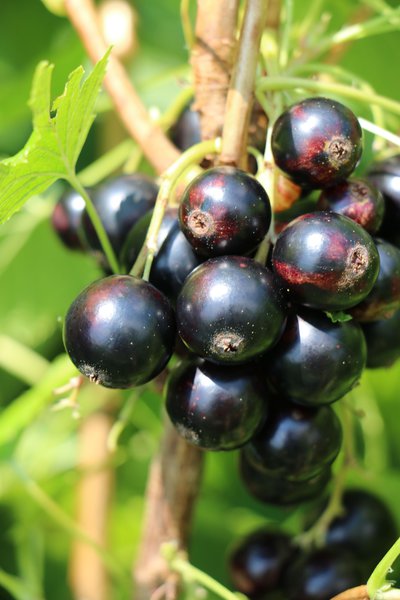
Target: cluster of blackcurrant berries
[267, 348]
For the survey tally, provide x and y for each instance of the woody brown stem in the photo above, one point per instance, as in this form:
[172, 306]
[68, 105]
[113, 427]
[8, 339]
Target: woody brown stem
[212, 60]
[157, 148]
[357, 593]
[241, 90]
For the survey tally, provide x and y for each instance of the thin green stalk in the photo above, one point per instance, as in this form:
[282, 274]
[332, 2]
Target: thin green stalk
[291, 83]
[15, 586]
[191, 157]
[22, 361]
[377, 582]
[286, 29]
[313, 14]
[379, 131]
[97, 224]
[52, 509]
[194, 575]
[187, 24]
[107, 163]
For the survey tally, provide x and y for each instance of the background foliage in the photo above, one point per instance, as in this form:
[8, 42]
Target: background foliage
[39, 279]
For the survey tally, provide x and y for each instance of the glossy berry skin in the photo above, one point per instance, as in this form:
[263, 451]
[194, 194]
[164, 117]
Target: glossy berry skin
[384, 298]
[279, 491]
[385, 175]
[322, 574]
[120, 331]
[224, 211]
[366, 527]
[216, 407]
[383, 341]
[296, 442]
[66, 220]
[356, 199]
[120, 202]
[230, 310]
[316, 361]
[317, 142]
[174, 261]
[186, 131]
[326, 260]
[257, 563]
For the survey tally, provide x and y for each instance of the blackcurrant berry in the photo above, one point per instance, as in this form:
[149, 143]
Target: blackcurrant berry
[296, 442]
[326, 260]
[383, 341]
[257, 563]
[120, 202]
[67, 220]
[357, 199]
[279, 491]
[322, 574]
[186, 131]
[317, 142]
[216, 407]
[365, 526]
[224, 211]
[384, 298]
[120, 331]
[230, 310]
[385, 175]
[316, 361]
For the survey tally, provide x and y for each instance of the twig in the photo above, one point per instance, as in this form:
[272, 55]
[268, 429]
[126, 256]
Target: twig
[156, 146]
[241, 90]
[88, 576]
[357, 593]
[212, 61]
[171, 492]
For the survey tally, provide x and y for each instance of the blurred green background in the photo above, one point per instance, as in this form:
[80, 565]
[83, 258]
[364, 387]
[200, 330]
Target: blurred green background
[39, 279]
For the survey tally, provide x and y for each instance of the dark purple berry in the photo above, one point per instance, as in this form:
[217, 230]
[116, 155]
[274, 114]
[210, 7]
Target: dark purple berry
[317, 142]
[357, 199]
[365, 527]
[120, 202]
[120, 331]
[383, 341]
[385, 175]
[316, 361]
[224, 211]
[67, 220]
[174, 261]
[186, 131]
[384, 298]
[230, 310]
[296, 442]
[216, 407]
[326, 260]
[279, 491]
[257, 563]
[322, 574]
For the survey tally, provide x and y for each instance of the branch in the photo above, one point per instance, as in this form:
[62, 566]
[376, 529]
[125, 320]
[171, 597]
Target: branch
[171, 492]
[357, 593]
[212, 60]
[241, 91]
[157, 148]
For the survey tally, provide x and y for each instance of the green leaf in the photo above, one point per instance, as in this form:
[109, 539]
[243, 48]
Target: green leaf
[338, 317]
[59, 133]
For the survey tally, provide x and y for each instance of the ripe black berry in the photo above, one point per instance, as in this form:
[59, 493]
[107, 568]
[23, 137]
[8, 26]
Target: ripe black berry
[216, 407]
[322, 574]
[327, 261]
[296, 442]
[316, 361]
[67, 220]
[280, 491]
[120, 331]
[224, 211]
[357, 199]
[385, 175]
[317, 142]
[186, 131]
[257, 563]
[383, 341]
[384, 298]
[229, 310]
[120, 202]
